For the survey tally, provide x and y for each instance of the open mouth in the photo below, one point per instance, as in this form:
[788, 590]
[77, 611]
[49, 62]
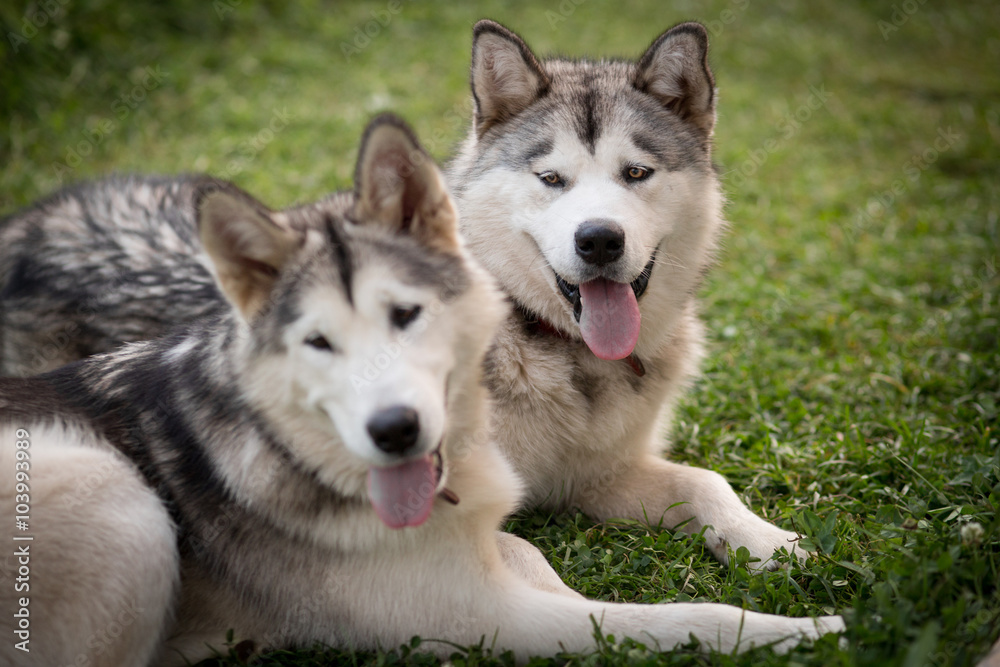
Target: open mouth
[572, 292]
[608, 312]
[403, 495]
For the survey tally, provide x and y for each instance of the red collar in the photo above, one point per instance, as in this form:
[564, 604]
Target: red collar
[537, 325]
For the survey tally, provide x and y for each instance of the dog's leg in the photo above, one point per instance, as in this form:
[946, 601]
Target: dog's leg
[509, 615]
[459, 591]
[532, 622]
[100, 572]
[528, 563]
[204, 613]
[660, 491]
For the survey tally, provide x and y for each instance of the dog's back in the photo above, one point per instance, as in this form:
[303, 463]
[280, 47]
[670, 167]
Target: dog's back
[100, 264]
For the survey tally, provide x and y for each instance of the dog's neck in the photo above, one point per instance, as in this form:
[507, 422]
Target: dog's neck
[542, 327]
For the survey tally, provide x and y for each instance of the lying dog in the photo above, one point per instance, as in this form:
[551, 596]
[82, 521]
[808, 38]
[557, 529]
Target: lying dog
[305, 462]
[588, 190]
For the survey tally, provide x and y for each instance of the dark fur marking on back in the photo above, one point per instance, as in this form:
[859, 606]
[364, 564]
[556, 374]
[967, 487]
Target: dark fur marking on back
[22, 282]
[68, 390]
[140, 420]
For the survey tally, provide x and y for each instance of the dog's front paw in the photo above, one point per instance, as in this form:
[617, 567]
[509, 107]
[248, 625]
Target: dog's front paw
[761, 539]
[810, 629]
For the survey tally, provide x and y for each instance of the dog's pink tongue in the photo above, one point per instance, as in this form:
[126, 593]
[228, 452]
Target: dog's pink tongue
[609, 318]
[403, 495]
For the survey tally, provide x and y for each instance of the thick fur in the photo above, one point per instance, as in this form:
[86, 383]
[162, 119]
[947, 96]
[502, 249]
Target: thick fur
[94, 266]
[90, 268]
[581, 431]
[215, 478]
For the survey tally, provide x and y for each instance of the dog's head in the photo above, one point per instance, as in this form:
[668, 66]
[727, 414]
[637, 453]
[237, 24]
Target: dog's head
[587, 188]
[366, 319]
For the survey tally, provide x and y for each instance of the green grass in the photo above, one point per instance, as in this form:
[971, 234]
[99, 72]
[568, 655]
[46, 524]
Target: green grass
[852, 387]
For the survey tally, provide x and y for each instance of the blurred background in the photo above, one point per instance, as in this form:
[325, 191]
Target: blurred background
[854, 313]
[895, 72]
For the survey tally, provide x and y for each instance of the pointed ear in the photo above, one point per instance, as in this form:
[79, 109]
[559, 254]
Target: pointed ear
[675, 70]
[398, 186]
[247, 247]
[506, 76]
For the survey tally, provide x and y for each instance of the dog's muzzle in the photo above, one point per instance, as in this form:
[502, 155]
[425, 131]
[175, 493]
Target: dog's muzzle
[572, 292]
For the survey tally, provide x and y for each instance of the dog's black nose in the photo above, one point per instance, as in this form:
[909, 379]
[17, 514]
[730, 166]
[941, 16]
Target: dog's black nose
[600, 242]
[394, 430]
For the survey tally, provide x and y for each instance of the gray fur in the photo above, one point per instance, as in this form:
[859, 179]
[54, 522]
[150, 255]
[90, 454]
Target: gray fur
[230, 489]
[71, 285]
[92, 266]
[584, 432]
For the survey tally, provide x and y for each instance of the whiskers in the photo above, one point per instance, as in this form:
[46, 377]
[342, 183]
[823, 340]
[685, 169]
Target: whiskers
[664, 258]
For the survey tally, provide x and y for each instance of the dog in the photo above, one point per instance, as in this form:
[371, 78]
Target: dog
[249, 472]
[586, 188]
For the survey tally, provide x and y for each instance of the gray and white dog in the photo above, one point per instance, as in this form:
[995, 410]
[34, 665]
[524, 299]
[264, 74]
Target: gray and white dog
[235, 474]
[586, 188]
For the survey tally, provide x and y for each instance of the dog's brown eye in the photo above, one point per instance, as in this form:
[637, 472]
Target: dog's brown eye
[319, 342]
[403, 316]
[551, 178]
[637, 173]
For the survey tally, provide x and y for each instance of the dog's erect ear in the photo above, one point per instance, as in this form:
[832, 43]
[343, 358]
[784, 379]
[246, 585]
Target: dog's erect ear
[675, 70]
[247, 247]
[506, 76]
[398, 186]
